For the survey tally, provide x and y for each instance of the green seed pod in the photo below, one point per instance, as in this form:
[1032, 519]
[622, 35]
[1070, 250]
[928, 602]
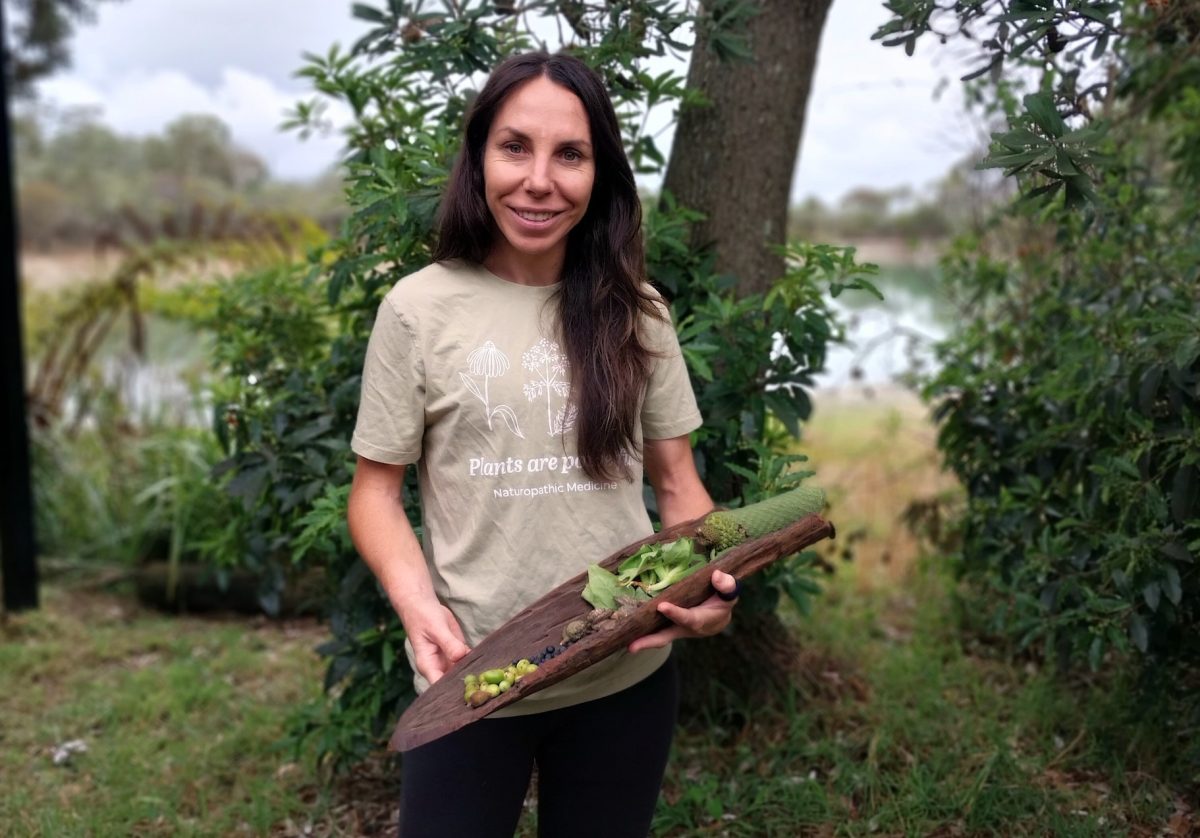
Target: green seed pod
[493, 676]
[505, 685]
[523, 663]
[492, 689]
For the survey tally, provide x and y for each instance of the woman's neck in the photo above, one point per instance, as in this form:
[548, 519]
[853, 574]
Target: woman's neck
[525, 268]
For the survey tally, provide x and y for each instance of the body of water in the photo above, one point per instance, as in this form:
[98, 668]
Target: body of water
[890, 338]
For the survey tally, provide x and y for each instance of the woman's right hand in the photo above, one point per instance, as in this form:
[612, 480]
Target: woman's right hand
[437, 639]
[388, 545]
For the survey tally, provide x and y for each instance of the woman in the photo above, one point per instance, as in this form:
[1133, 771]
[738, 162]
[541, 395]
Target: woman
[531, 374]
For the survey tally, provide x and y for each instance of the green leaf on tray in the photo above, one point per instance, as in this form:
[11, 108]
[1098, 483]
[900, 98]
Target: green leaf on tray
[649, 570]
[602, 588]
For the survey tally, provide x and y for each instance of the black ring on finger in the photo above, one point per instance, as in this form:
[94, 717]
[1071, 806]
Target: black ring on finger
[732, 595]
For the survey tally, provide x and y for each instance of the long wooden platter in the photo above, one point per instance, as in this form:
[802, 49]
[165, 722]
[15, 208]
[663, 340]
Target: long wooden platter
[441, 709]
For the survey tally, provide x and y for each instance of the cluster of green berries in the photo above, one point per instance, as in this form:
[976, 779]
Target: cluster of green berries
[478, 689]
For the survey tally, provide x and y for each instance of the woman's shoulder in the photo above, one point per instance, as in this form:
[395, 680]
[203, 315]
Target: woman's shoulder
[428, 284]
[660, 303]
[657, 328]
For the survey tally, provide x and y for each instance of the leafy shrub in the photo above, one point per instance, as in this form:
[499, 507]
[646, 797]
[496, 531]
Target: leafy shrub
[1069, 399]
[1071, 412]
[114, 494]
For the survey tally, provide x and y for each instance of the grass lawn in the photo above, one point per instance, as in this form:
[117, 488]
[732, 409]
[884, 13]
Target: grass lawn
[896, 727]
[179, 717]
[899, 724]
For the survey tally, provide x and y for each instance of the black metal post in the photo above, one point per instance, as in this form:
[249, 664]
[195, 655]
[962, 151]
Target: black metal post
[18, 559]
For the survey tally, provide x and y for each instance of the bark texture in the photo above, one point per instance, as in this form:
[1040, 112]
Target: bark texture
[734, 159]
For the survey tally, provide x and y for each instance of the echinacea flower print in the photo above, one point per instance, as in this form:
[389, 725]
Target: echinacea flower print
[488, 362]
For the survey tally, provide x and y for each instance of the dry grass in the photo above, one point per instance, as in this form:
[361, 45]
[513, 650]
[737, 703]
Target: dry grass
[874, 455]
[58, 270]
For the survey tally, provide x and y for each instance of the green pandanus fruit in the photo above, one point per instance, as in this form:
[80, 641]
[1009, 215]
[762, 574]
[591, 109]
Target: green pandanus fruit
[729, 527]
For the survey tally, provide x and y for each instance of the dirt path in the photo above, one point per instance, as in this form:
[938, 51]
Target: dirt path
[50, 272]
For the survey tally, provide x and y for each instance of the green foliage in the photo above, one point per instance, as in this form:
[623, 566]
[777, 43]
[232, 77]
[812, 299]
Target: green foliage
[752, 357]
[120, 476]
[1071, 411]
[282, 407]
[1069, 399]
[408, 82]
[109, 494]
[1049, 55]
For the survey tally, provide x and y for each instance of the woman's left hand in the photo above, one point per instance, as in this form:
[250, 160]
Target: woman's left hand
[704, 620]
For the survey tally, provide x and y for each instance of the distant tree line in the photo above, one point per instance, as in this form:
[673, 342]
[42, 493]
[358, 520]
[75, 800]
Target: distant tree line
[955, 204]
[79, 181]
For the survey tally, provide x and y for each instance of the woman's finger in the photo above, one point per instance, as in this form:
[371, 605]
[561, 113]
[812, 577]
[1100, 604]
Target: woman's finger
[431, 666]
[454, 649]
[659, 639]
[726, 585]
[708, 617]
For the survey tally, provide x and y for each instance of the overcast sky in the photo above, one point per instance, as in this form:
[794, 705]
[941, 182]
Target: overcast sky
[873, 118]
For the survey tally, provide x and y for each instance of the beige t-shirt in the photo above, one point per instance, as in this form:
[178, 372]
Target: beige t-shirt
[465, 376]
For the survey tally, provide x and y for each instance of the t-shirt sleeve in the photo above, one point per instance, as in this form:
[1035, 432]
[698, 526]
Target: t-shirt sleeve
[391, 409]
[669, 409]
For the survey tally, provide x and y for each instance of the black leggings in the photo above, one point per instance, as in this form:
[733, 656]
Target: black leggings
[600, 766]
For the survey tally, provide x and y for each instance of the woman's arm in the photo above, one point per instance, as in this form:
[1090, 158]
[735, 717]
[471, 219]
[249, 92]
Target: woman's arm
[677, 487]
[387, 543]
[682, 497]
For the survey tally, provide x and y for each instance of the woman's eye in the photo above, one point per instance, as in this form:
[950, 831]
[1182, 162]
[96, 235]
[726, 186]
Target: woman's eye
[512, 148]
[572, 156]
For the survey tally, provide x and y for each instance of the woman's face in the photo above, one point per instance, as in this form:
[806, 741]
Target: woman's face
[538, 171]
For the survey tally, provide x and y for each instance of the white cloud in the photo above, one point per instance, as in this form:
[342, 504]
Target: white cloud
[253, 107]
[200, 37]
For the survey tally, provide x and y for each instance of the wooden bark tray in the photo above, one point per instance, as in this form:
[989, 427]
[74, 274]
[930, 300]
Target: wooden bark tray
[441, 708]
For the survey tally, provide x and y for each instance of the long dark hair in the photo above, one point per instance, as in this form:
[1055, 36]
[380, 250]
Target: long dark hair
[603, 290]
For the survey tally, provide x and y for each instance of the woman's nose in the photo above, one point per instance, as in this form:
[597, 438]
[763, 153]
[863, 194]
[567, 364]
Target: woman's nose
[538, 179]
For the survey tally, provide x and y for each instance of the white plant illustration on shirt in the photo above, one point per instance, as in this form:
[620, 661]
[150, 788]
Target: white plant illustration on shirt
[488, 362]
[549, 367]
[564, 419]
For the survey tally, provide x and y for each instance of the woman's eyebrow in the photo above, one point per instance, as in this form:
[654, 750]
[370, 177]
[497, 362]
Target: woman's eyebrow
[516, 135]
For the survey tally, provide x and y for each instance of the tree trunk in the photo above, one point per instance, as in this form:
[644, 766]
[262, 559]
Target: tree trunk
[733, 159]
